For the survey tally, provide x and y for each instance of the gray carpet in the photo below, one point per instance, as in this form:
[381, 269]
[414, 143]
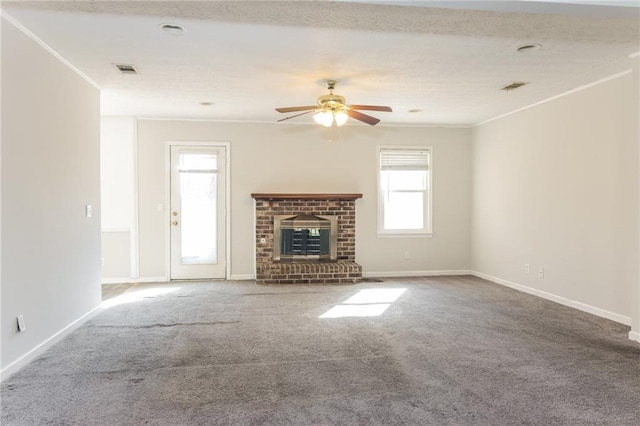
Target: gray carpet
[448, 351]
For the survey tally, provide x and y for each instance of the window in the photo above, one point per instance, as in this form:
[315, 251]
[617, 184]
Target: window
[404, 191]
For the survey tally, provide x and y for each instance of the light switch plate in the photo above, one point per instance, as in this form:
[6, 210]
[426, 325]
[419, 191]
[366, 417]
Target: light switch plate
[21, 325]
[89, 210]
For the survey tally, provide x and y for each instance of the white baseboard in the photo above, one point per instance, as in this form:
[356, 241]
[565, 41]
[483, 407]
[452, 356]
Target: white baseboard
[42, 347]
[152, 280]
[242, 277]
[635, 336]
[390, 274]
[124, 280]
[129, 280]
[558, 299]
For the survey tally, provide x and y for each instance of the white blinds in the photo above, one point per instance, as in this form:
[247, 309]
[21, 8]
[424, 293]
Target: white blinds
[404, 159]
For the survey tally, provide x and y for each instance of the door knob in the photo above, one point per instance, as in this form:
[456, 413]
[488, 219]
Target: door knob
[174, 223]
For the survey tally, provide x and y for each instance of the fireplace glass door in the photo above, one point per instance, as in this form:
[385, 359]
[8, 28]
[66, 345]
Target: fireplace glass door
[305, 238]
[307, 242]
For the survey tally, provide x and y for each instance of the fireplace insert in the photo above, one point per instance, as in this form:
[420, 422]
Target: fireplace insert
[305, 238]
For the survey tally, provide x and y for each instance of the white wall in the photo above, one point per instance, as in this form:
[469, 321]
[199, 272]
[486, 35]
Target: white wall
[635, 112]
[117, 186]
[556, 186]
[116, 159]
[50, 171]
[299, 158]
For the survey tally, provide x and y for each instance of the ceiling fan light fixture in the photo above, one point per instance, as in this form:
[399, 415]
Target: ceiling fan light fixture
[332, 109]
[327, 117]
[324, 118]
[340, 117]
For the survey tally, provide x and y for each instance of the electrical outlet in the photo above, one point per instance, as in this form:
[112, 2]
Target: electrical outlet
[407, 255]
[541, 272]
[527, 268]
[22, 327]
[88, 210]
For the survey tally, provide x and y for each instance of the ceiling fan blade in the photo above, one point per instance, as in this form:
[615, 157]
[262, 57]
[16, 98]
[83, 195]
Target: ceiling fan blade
[363, 117]
[294, 116]
[371, 107]
[296, 109]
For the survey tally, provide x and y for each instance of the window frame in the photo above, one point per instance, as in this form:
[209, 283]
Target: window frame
[427, 230]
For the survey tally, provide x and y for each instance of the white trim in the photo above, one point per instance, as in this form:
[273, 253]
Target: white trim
[167, 209]
[227, 208]
[391, 234]
[291, 123]
[42, 347]
[569, 92]
[394, 274]
[134, 240]
[558, 299]
[114, 230]
[635, 289]
[167, 199]
[242, 277]
[152, 280]
[255, 243]
[123, 280]
[129, 280]
[48, 48]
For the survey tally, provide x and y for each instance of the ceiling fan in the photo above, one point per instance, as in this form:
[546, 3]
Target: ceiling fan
[332, 108]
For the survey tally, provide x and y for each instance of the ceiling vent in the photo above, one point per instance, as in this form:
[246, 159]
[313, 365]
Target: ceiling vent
[173, 29]
[529, 47]
[513, 86]
[126, 69]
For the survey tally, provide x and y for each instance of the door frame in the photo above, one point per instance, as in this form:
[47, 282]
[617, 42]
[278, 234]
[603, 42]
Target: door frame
[167, 200]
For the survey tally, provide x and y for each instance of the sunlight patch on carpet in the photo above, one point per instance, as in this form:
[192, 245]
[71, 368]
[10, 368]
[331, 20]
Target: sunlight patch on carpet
[365, 303]
[135, 296]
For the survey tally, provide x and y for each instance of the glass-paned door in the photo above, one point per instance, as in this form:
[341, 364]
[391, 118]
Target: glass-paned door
[197, 219]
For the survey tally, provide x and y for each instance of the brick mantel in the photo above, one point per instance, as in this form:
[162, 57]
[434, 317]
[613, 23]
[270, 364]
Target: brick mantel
[344, 270]
[318, 197]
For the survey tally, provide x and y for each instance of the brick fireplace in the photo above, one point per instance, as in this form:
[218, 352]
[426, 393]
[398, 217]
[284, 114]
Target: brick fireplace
[273, 207]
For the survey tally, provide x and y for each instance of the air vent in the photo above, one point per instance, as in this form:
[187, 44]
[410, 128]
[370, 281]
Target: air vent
[513, 85]
[529, 47]
[173, 29]
[126, 69]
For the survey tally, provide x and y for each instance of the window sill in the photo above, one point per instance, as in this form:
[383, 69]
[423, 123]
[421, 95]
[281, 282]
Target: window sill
[407, 235]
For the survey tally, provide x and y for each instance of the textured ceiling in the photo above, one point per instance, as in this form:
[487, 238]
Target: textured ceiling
[251, 57]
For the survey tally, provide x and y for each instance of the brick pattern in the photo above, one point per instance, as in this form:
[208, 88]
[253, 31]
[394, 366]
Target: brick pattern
[344, 270]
